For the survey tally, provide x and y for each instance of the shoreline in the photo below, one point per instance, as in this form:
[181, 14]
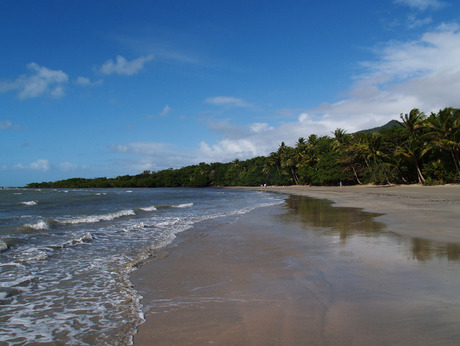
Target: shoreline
[266, 279]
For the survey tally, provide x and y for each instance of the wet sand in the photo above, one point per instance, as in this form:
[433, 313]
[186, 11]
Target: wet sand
[307, 272]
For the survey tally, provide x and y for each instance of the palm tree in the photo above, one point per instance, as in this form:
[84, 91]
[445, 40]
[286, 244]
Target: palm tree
[275, 160]
[444, 130]
[341, 138]
[412, 122]
[414, 153]
[414, 147]
[373, 146]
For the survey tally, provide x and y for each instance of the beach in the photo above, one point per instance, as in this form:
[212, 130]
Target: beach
[344, 266]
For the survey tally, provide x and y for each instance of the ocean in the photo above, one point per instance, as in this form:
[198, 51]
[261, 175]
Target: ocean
[66, 255]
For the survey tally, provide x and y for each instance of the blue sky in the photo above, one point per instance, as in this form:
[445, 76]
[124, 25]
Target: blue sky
[107, 88]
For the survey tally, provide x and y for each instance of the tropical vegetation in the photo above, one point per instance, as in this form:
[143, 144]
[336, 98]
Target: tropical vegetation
[417, 149]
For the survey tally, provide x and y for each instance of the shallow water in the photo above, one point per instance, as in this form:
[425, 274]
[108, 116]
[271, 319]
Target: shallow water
[65, 255]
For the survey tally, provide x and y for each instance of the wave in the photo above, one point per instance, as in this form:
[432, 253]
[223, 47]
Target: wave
[151, 208]
[97, 218]
[28, 203]
[183, 205]
[46, 225]
[39, 225]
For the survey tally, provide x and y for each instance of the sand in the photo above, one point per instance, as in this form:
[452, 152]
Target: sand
[336, 276]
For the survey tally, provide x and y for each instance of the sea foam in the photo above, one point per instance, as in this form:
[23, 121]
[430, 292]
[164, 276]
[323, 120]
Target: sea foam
[151, 208]
[28, 203]
[183, 205]
[39, 225]
[98, 218]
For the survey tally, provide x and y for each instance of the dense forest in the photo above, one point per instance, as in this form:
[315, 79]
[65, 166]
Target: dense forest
[417, 149]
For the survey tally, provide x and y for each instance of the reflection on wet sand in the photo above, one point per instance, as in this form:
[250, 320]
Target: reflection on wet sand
[426, 250]
[348, 222]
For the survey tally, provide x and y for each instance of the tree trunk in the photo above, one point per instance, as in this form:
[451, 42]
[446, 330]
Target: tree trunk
[421, 178]
[356, 175]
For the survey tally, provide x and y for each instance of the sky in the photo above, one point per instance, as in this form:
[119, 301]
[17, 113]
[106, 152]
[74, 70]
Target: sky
[115, 87]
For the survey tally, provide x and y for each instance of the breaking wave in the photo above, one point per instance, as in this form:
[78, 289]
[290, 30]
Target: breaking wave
[39, 225]
[29, 203]
[151, 208]
[97, 218]
[183, 205]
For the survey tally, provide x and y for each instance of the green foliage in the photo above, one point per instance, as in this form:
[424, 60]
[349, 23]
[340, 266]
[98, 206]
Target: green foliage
[416, 149]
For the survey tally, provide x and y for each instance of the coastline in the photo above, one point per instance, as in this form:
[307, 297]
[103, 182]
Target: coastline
[269, 279]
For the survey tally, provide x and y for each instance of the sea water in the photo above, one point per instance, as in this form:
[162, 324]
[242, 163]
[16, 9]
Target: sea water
[66, 255]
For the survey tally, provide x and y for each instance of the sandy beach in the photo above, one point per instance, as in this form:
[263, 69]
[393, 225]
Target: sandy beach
[313, 272]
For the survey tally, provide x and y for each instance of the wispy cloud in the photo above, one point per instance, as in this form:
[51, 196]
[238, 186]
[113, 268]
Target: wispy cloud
[413, 22]
[166, 110]
[5, 125]
[43, 165]
[422, 4]
[227, 101]
[121, 66]
[84, 81]
[39, 81]
[153, 155]
[39, 165]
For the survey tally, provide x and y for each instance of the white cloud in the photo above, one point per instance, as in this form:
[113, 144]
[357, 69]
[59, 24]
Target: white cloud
[124, 67]
[40, 165]
[39, 81]
[84, 81]
[421, 4]
[414, 22]
[260, 127]
[19, 166]
[166, 110]
[227, 101]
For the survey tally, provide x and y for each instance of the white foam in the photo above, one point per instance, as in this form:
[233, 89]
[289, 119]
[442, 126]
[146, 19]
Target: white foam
[98, 218]
[183, 205]
[3, 246]
[151, 208]
[39, 225]
[28, 203]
